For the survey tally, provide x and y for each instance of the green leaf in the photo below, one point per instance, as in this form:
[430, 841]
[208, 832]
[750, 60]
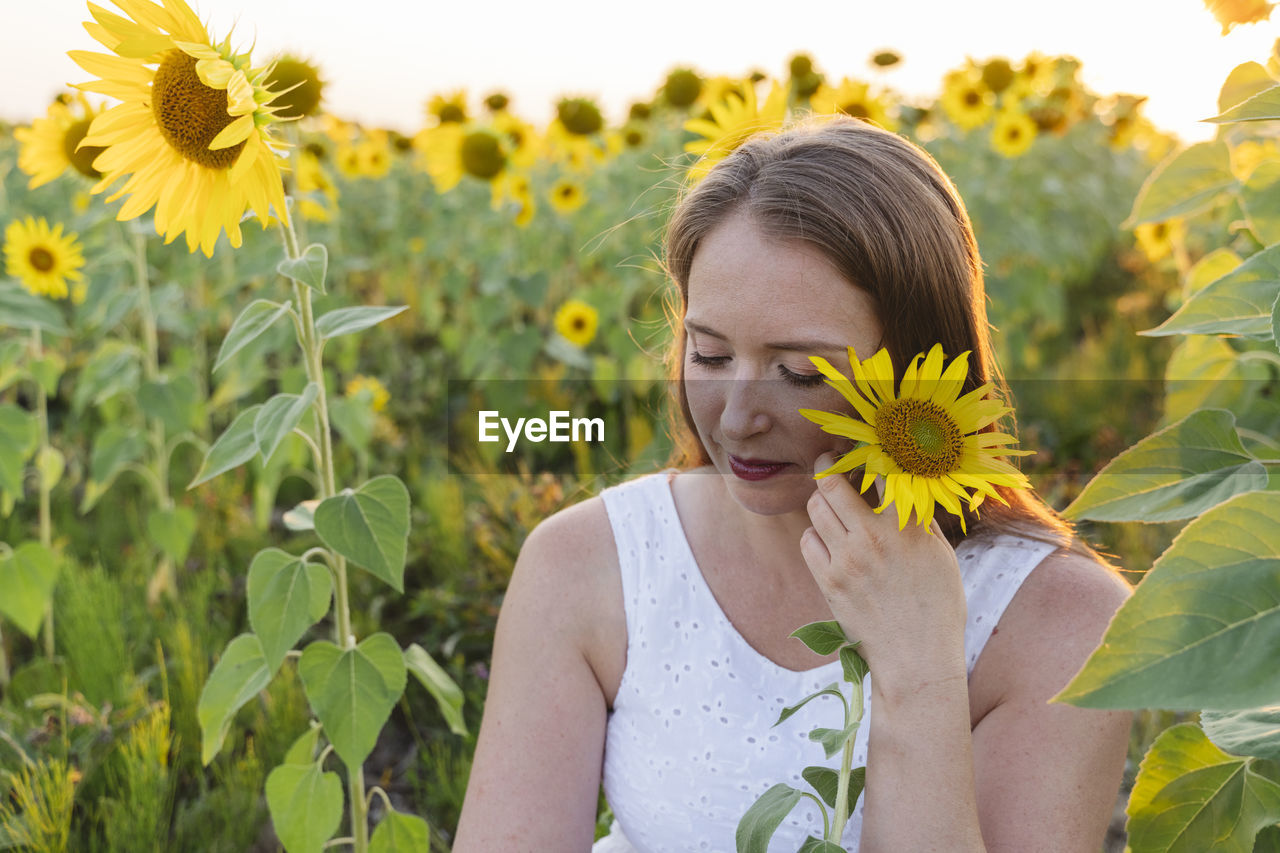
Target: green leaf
[353, 419]
[279, 416]
[1206, 372]
[1268, 840]
[305, 804]
[115, 447]
[1244, 81]
[831, 689]
[1263, 106]
[764, 817]
[1211, 267]
[817, 845]
[1275, 322]
[370, 527]
[447, 693]
[48, 370]
[21, 310]
[283, 596]
[352, 692]
[28, 575]
[1190, 797]
[1184, 184]
[258, 316]
[400, 833]
[234, 447]
[833, 740]
[174, 400]
[309, 269]
[303, 750]
[1255, 731]
[172, 530]
[1258, 198]
[851, 661]
[302, 516]
[13, 356]
[344, 321]
[49, 464]
[1201, 629]
[19, 435]
[821, 637]
[237, 677]
[827, 783]
[113, 368]
[1239, 303]
[1175, 473]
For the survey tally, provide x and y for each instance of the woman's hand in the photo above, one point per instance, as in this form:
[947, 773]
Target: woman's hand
[897, 591]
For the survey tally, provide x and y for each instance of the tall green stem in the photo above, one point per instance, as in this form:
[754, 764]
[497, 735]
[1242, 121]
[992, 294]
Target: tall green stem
[311, 347]
[846, 769]
[162, 581]
[46, 524]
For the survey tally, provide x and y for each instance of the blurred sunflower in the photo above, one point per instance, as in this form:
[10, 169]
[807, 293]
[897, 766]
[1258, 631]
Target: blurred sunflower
[1013, 133]
[1246, 156]
[576, 321]
[373, 155]
[452, 151]
[1232, 12]
[44, 259]
[299, 85]
[1157, 239]
[448, 108]
[852, 98]
[193, 131]
[522, 139]
[49, 145]
[567, 195]
[732, 121]
[966, 99]
[371, 388]
[520, 193]
[924, 440]
[682, 88]
[573, 136]
[318, 195]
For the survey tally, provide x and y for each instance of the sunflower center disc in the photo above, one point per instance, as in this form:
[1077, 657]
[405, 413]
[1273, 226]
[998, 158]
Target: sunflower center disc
[482, 155]
[41, 259]
[856, 109]
[189, 113]
[920, 437]
[82, 159]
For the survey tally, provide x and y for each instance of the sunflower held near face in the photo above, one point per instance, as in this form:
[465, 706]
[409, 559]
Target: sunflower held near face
[44, 259]
[193, 133]
[925, 440]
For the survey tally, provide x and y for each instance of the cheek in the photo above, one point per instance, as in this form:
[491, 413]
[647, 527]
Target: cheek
[706, 400]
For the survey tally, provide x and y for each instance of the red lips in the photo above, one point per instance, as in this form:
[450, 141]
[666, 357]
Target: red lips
[755, 469]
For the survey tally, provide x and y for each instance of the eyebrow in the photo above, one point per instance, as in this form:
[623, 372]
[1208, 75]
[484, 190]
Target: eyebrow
[804, 346]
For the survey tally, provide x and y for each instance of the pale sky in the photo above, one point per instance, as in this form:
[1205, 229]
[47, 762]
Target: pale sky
[384, 58]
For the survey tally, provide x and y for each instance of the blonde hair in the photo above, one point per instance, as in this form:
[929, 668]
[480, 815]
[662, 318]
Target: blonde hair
[882, 211]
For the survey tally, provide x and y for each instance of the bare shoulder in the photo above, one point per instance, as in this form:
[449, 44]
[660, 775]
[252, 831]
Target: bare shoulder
[569, 562]
[1053, 623]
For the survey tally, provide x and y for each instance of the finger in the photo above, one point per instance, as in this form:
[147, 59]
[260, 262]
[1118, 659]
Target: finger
[824, 518]
[814, 550]
[839, 494]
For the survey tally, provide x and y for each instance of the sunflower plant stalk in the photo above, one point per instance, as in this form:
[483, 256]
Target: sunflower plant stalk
[194, 131]
[932, 446]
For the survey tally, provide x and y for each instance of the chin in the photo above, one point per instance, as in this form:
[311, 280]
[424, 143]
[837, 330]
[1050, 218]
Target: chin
[777, 495]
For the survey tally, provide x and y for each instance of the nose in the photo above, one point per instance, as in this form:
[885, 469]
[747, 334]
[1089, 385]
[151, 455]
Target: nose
[746, 409]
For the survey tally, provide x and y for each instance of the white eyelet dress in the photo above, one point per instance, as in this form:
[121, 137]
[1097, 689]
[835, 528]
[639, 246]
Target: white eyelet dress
[691, 741]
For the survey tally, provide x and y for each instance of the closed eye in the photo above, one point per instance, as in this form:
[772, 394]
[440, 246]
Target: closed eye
[801, 380]
[707, 360]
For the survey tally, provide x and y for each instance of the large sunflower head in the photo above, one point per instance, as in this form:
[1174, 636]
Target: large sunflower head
[44, 259]
[926, 440]
[193, 131]
[50, 146]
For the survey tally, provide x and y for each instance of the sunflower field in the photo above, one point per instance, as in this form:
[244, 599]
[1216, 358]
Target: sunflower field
[260, 333]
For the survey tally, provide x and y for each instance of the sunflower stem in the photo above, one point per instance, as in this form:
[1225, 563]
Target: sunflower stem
[846, 769]
[46, 524]
[312, 347]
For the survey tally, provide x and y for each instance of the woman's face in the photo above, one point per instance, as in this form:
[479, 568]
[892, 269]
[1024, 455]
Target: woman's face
[757, 309]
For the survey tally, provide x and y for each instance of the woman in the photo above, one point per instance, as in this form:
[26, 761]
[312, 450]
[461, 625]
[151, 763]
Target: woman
[644, 640]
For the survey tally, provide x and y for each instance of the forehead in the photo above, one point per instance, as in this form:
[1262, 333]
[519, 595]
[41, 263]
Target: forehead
[739, 275]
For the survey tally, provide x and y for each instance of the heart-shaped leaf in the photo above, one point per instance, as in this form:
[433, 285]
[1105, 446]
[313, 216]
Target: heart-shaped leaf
[18, 437]
[286, 597]
[1263, 106]
[854, 666]
[258, 316]
[20, 309]
[306, 806]
[1176, 473]
[821, 637]
[236, 678]
[309, 269]
[1184, 184]
[1255, 731]
[344, 321]
[762, 820]
[114, 448]
[28, 575]
[174, 400]
[172, 530]
[1202, 628]
[1190, 796]
[445, 690]
[279, 416]
[1238, 303]
[827, 783]
[352, 691]
[369, 526]
[400, 833]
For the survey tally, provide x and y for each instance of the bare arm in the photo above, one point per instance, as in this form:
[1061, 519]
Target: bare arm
[536, 776]
[1033, 775]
